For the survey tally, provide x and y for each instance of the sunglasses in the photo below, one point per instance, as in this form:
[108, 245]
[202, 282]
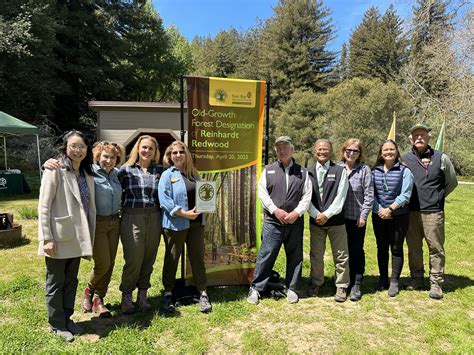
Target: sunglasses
[178, 151]
[352, 151]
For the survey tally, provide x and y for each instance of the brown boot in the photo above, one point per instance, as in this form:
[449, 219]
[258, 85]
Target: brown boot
[86, 303]
[142, 300]
[127, 305]
[98, 306]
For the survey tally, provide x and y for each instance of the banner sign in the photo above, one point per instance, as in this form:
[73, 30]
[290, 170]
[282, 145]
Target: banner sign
[225, 136]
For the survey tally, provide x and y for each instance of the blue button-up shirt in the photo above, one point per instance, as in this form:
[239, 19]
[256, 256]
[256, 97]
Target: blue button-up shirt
[108, 192]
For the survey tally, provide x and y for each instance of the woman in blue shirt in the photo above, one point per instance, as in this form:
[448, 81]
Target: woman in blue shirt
[108, 195]
[393, 183]
[181, 223]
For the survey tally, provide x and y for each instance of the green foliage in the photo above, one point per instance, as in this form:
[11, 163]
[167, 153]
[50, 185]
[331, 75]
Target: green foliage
[27, 212]
[377, 46]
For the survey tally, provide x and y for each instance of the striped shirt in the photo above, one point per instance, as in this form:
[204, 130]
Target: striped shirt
[360, 195]
[140, 189]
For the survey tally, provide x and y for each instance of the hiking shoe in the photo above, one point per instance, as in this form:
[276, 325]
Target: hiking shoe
[168, 305]
[204, 304]
[98, 306]
[382, 284]
[313, 290]
[86, 303]
[415, 284]
[340, 295]
[74, 328]
[292, 296]
[393, 289]
[127, 305]
[67, 335]
[436, 292]
[355, 294]
[253, 296]
[142, 300]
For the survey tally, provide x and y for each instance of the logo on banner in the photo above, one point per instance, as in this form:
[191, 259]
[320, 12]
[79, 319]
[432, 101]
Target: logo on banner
[220, 95]
[233, 93]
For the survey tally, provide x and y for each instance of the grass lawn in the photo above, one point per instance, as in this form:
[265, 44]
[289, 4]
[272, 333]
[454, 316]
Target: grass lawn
[410, 322]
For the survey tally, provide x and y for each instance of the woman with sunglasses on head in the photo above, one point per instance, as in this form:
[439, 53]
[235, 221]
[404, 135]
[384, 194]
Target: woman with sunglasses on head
[140, 229]
[359, 200]
[181, 223]
[108, 195]
[66, 225]
[393, 183]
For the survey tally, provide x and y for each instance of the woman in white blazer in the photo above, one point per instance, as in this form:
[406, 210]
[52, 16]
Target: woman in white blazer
[66, 224]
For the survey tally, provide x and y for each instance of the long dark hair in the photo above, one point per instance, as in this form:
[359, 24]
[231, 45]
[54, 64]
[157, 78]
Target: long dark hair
[86, 163]
[380, 160]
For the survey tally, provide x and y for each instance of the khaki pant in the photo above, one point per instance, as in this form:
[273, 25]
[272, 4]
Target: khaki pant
[340, 252]
[104, 252]
[430, 226]
[140, 233]
[174, 240]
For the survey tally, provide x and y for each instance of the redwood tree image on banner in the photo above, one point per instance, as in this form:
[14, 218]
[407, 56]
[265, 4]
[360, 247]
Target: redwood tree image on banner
[225, 134]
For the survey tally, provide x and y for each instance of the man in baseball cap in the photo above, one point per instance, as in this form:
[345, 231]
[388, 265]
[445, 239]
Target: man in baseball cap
[434, 179]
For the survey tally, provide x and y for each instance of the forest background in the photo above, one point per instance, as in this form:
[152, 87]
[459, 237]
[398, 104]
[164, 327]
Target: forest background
[55, 56]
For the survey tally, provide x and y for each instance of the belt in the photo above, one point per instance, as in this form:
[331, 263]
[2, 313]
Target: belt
[107, 218]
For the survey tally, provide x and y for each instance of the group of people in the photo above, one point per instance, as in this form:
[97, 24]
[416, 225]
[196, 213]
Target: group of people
[83, 191]
[405, 194]
[81, 195]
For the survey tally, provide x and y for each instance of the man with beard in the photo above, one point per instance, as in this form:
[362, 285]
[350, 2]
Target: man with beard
[434, 179]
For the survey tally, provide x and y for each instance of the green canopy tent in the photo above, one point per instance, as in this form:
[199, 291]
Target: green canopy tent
[11, 126]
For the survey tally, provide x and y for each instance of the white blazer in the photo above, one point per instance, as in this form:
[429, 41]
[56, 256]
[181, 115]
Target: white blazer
[61, 216]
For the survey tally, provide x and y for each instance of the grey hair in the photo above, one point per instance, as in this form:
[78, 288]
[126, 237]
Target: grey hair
[323, 140]
[291, 145]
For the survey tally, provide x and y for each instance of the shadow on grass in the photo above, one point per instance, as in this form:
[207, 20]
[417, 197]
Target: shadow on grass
[19, 243]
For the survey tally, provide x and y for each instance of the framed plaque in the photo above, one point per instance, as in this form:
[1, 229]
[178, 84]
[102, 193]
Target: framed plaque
[206, 196]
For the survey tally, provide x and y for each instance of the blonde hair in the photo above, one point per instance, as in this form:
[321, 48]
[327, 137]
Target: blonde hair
[188, 166]
[352, 141]
[109, 147]
[133, 157]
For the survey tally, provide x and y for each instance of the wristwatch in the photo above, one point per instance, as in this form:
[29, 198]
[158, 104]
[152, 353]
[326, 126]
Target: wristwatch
[391, 209]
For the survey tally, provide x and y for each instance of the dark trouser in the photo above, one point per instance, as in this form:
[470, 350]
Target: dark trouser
[105, 249]
[390, 235]
[273, 236]
[355, 242]
[174, 241]
[61, 287]
[140, 233]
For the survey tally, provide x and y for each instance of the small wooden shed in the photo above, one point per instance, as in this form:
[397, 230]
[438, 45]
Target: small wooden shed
[123, 122]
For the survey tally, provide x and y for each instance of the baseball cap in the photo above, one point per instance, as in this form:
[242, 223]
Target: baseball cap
[283, 139]
[420, 126]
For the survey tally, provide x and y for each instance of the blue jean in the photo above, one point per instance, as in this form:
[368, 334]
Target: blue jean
[273, 236]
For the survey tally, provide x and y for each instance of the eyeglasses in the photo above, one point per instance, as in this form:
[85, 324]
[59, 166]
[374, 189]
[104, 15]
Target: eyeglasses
[108, 143]
[77, 146]
[178, 151]
[352, 151]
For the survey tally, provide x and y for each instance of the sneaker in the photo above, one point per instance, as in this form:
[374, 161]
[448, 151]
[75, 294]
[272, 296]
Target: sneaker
[168, 305]
[313, 290]
[292, 296]
[355, 294]
[253, 296]
[67, 335]
[393, 289]
[204, 304]
[340, 295]
[127, 305]
[86, 303]
[416, 284]
[436, 292]
[74, 328]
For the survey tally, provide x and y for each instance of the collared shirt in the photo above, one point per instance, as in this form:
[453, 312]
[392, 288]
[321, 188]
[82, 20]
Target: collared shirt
[338, 203]
[360, 195]
[267, 201]
[108, 191]
[140, 189]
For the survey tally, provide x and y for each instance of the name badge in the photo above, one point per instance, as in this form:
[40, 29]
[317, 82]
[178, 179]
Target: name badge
[175, 179]
[270, 171]
[331, 177]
